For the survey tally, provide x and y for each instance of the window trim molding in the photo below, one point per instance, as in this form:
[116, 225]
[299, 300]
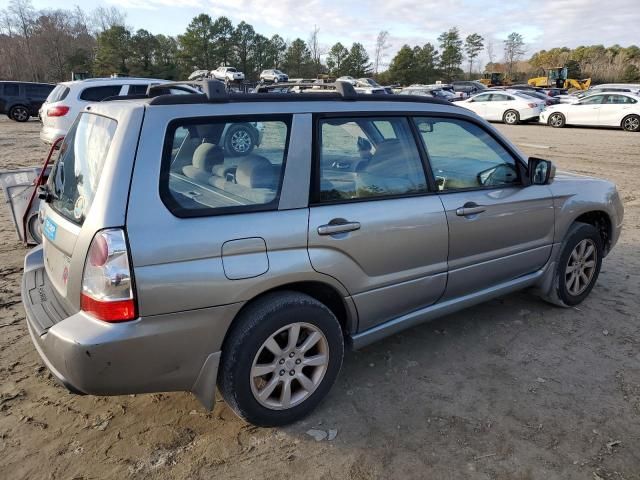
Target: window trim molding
[170, 202]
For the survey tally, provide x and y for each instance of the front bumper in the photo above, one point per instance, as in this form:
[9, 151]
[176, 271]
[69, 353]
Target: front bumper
[171, 352]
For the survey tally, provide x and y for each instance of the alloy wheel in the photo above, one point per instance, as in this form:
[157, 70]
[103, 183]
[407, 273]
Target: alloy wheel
[555, 120]
[289, 366]
[632, 124]
[581, 267]
[510, 118]
[20, 114]
[241, 141]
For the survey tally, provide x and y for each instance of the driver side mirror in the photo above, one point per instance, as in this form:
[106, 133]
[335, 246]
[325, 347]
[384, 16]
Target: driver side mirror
[540, 171]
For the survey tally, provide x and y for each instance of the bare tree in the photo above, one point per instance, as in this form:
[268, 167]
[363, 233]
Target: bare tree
[106, 17]
[315, 49]
[513, 51]
[382, 44]
[490, 52]
[24, 16]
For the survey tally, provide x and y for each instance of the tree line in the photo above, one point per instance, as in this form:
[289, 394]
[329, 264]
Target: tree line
[47, 45]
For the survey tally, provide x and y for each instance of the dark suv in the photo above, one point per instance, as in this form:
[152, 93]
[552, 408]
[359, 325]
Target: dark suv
[21, 100]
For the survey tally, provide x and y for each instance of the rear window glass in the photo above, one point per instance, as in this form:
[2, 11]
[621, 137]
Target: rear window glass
[97, 94]
[58, 94]
[216, 166]
[75, 176]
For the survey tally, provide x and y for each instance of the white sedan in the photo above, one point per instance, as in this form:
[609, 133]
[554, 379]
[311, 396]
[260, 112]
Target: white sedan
[508, 107]
[610, 109]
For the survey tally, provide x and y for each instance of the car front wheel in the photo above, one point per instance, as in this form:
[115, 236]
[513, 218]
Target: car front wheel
[556, 120]
[19, 113]
[280, 359]
[579, 264]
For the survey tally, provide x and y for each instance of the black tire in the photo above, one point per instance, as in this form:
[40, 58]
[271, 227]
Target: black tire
[511, 117]
[239, 141]
[556, 120]
[35, 228]
[19, 113]
[577, 233]
[256, 323]
[631, 123]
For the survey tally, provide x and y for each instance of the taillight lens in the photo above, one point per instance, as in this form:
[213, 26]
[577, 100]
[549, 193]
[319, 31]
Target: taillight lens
[59, 111]
[107, 285]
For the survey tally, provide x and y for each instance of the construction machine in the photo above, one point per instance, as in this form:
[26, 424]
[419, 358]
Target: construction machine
[558, 78]
[492, 79]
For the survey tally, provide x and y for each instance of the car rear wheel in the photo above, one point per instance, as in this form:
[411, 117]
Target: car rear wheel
[511, 117]
[280, 359]
[19, 113]
[631, 123]
[239, 141]
[579, 264]
[556, 120]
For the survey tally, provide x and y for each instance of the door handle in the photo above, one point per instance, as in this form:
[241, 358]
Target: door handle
[469, 209]
[333, 228]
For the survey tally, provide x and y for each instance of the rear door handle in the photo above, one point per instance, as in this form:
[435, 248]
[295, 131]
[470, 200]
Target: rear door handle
[469, 210]
[333, 228]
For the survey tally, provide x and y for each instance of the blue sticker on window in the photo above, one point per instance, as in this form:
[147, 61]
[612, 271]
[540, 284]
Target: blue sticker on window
[50, 228]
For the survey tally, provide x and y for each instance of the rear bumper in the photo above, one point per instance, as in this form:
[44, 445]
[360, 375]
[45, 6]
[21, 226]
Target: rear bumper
[172, 352]
[49, 134]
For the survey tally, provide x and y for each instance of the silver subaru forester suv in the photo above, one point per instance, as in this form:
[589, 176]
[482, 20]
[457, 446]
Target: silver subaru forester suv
[169, 264]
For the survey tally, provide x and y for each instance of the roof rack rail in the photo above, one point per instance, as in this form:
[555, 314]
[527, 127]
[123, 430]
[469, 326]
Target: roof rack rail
[344, 89]
[214, 90]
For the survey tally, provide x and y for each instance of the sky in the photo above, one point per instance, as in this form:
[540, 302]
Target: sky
[543, 23]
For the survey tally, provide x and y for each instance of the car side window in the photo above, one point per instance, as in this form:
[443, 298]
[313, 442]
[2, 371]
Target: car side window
[482, 98]
[138, 89]
[465, 156]
[619, 99]
[368, 158]
[97, 94]
[592, 100]
[498, 97]
[214, 166]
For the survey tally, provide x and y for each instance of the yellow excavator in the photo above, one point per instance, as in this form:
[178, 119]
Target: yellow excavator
[557, 78]
[492, 79]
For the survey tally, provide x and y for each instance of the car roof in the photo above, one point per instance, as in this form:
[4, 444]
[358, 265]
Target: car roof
[110, 81]
[30, 83]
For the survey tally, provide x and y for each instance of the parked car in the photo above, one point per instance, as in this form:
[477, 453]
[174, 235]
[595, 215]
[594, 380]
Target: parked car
[227, 74]
[538, 95]
[167, 268]
[273, 76]
[428, 91]
[199, 75]
[576, 96]
[468, 87]
[508, 107]
[348, 79]
[67, 99]
[366, 81]
[554, 92]
[607, 109]
[22, 100]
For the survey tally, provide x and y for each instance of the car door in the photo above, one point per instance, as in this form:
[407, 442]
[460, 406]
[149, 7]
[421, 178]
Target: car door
[499, 229]
[479, 104]
[586, 111]
[375, 226]
[614, 108]
[498, 105]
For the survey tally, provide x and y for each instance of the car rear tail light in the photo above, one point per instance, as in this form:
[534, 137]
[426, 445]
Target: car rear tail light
[59, 111]
[107, 283]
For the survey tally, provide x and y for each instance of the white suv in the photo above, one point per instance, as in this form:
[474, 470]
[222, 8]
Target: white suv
[227, 74]
[68, 99]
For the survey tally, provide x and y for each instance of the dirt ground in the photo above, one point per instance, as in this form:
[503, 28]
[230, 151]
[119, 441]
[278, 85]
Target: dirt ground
[512, 389]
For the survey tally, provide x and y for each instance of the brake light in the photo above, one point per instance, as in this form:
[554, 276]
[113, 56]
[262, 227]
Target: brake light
[59, 111]
[107, 283]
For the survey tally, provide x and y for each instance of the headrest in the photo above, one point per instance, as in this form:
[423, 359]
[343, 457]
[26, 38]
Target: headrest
[206, 156]
[256, 172]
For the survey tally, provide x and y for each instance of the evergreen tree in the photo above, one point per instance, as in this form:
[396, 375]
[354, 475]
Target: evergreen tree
[451, 53]
[197, 44]
[473, 45]
[335, 59]
[357, 63]
[113, 51]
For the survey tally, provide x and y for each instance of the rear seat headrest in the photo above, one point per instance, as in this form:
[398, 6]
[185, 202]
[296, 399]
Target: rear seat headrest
[256, 172]
[206, 156]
